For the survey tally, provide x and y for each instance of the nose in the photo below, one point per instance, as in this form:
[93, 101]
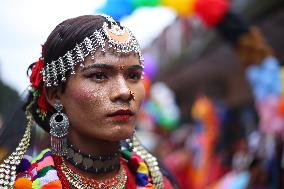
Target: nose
[120, 90]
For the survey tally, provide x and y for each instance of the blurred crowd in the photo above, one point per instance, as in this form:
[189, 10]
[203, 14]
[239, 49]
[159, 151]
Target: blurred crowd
[217, 145]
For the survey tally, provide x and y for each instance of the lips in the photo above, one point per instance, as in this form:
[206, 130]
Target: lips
[121, 115]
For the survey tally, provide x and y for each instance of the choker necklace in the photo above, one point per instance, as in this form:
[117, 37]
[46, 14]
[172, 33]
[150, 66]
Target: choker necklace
[92, 163]
[80, 182]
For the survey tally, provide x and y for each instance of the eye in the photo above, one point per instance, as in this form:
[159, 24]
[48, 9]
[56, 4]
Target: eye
[135, 75]
[97, 76]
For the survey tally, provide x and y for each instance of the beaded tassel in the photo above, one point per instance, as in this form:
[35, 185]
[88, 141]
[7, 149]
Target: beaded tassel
[59, 145]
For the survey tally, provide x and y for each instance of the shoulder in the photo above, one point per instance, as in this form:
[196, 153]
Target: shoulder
[37, 173]
[141, 173]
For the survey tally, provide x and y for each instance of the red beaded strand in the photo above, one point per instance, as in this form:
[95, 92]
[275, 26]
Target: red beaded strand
[65, 183]
[62, 177]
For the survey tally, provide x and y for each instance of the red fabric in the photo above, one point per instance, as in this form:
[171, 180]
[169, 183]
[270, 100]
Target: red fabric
[57, 162]
[134, 162]
[130, 183]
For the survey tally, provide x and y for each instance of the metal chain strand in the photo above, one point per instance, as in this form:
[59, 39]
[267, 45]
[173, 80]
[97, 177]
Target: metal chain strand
[80, 183]
[150, 160]
[8, 168]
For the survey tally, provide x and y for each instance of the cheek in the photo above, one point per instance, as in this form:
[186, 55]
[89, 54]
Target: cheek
[83, 94]
[88, 95]
[140, 94]
[85, 104]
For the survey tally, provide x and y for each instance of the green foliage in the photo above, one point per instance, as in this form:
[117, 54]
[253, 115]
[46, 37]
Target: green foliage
[9, 98]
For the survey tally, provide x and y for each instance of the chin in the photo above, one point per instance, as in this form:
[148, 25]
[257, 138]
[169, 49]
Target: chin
[121, 134]
[115, 137]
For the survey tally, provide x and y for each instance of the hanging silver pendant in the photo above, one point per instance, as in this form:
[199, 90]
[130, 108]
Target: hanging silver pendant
[59, 125]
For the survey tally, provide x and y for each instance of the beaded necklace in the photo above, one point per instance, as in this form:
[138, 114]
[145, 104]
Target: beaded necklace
[92, 163]
[80, 182]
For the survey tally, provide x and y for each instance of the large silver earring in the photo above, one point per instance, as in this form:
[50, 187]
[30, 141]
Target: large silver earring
[59, 125]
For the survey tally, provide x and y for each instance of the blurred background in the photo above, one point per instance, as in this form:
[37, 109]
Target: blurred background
[214, 112]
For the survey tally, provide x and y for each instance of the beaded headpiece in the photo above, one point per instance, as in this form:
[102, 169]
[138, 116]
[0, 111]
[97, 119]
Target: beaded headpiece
[117, 37]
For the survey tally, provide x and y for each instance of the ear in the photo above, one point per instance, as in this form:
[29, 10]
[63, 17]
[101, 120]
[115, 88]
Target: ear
[53, 95]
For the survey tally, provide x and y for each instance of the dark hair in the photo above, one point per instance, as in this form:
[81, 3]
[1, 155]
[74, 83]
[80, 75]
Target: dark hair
[63, 38]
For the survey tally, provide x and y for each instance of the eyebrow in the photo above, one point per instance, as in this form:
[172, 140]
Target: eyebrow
[93, 66]
[135, 67]
[110, 67]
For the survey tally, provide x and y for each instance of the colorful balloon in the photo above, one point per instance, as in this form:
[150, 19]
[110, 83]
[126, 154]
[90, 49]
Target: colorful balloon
[145, 3]
[117, 9]
[182, 7]
[211, 12]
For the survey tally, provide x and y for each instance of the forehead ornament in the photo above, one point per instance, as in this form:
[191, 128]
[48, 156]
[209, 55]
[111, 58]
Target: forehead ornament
[110, 36]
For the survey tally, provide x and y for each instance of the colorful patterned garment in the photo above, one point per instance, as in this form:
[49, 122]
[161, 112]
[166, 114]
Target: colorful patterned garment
[42, 172]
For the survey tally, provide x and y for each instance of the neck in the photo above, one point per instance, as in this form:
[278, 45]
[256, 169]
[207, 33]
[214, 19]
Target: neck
[94, 147]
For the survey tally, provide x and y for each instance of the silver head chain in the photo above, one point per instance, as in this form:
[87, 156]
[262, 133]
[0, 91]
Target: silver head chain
[118, 38]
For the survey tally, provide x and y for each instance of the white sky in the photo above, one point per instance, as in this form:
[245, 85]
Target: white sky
[25, 25]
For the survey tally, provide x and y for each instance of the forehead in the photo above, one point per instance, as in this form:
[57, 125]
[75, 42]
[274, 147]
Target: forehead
[112, 59]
